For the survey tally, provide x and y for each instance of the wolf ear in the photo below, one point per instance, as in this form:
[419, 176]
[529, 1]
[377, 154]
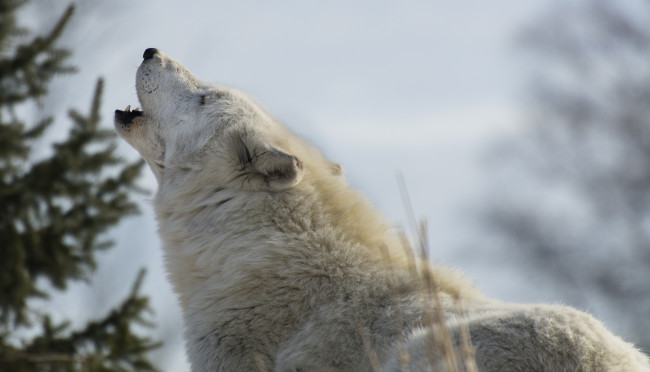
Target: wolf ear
[267, 166]
[336, 169]
[280, 170]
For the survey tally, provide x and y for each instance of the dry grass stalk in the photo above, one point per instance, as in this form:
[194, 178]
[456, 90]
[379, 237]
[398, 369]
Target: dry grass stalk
[442, 343]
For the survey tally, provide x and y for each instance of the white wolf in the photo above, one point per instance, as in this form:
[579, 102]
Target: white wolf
[279, 265]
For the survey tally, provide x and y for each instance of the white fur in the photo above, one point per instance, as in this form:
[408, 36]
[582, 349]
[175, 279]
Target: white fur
[279, 265]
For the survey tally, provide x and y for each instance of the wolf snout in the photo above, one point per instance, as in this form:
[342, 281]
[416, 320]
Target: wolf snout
[149, 53]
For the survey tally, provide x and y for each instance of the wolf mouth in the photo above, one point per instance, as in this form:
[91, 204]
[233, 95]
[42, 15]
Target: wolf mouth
[126, 117]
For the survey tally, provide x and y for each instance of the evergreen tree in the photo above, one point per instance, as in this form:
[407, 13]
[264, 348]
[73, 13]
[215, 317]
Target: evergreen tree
[53, 213]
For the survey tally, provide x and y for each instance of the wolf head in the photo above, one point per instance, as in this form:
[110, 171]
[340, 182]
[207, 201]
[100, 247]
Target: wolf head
[186, 125]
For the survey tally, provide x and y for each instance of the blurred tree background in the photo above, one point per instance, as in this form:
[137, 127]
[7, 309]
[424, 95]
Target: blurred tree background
[55, 207]
[581, 215]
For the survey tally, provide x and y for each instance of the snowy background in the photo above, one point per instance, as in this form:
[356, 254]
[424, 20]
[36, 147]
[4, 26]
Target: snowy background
[423, 89]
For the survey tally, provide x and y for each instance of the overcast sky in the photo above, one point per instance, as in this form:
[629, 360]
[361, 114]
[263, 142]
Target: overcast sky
[420, 88]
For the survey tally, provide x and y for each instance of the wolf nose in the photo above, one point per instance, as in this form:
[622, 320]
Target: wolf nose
[149, 53]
